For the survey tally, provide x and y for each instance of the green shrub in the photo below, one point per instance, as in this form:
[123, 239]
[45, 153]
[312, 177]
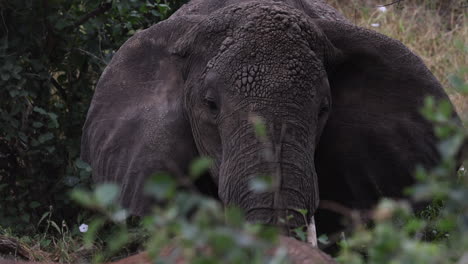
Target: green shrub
[199, 228]
[51, 55]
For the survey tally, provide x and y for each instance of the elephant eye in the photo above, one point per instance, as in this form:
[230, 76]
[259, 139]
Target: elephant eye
[325, 108]
[211, 104]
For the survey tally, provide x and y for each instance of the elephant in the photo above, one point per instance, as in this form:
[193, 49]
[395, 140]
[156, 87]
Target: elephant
[340, 106]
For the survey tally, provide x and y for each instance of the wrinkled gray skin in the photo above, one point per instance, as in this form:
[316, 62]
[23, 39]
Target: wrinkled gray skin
[340, 104]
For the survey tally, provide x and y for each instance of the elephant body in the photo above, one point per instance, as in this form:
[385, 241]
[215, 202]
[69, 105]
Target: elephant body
[340, 106]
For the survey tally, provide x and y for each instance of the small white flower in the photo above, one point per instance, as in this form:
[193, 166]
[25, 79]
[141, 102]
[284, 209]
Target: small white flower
[83, 228]
[462, 169]
[375, 25]
[382, 9]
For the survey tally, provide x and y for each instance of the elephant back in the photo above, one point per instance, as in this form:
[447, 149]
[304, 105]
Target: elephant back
[313, 8]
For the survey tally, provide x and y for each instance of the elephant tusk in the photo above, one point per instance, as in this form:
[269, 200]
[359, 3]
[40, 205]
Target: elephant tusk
[312, 233]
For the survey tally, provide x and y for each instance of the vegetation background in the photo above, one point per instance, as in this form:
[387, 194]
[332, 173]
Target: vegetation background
[52, 53]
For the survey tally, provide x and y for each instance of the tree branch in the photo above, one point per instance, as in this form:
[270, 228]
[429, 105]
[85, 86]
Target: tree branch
[102, 8]
[392, 3]
[59, 88]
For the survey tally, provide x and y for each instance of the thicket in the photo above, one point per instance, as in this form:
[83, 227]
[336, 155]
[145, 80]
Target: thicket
[52, 52]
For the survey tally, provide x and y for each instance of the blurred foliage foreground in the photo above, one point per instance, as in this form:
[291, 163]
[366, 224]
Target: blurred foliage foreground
[205, 232]
[51, 55]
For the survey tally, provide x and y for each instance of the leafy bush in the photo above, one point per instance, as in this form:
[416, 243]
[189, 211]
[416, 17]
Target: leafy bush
[51, 55]
[184, 224]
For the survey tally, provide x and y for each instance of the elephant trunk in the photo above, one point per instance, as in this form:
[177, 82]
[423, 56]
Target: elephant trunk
[284, 161]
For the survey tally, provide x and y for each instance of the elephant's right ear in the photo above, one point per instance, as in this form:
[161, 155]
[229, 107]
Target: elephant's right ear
[375, 135]
[135, 125]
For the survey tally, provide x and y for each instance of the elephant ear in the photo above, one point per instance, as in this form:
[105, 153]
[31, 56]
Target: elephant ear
[375, 136]
[135, 125]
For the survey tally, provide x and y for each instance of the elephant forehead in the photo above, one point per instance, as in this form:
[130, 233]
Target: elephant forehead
[269, 65]
[271, 76]
[271, 51]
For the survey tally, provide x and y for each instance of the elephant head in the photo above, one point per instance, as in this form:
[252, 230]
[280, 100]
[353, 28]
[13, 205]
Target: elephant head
[340, 106]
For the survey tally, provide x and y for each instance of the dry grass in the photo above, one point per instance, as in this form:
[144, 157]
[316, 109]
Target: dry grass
[435, 30]
[11, 248]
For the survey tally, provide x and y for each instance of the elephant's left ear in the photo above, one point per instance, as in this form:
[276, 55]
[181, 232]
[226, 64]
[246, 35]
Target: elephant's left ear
[375, 135]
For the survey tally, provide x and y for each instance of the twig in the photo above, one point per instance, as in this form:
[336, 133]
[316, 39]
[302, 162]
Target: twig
[337, 208]
[59, 88]
[100, 10]
[392, 3]
[91, 55]
[357, 217]
[16, 248]
[4, 24]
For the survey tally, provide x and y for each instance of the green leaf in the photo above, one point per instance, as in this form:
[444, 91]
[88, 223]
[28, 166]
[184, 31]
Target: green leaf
[14, 93]
[299, 231]
[37, 124]
[420, 173]
[45, 242]
[61, 24]
[119, 216]
[450, 147]
[443, 131]
[39, 110]
[106, 194]
[34, 143]
[259, 127]
[84, 174]
[53, 120]
[71, 181]
[446, 224]
[4, 76]
[54, 225]
[323, 239]
[23, 137]
[414, 225]
[34, 204]
[118, 240]
[161, 186]
[200, 166]
[269, 233]
[445, 108]
[156, 13]
[25, 217]
[90, 236]
[261, 183]
[80, 164]
[46, 214]
[303, 212]
[50, 149]
[234, 216]
[83, 197]
[45, 137]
